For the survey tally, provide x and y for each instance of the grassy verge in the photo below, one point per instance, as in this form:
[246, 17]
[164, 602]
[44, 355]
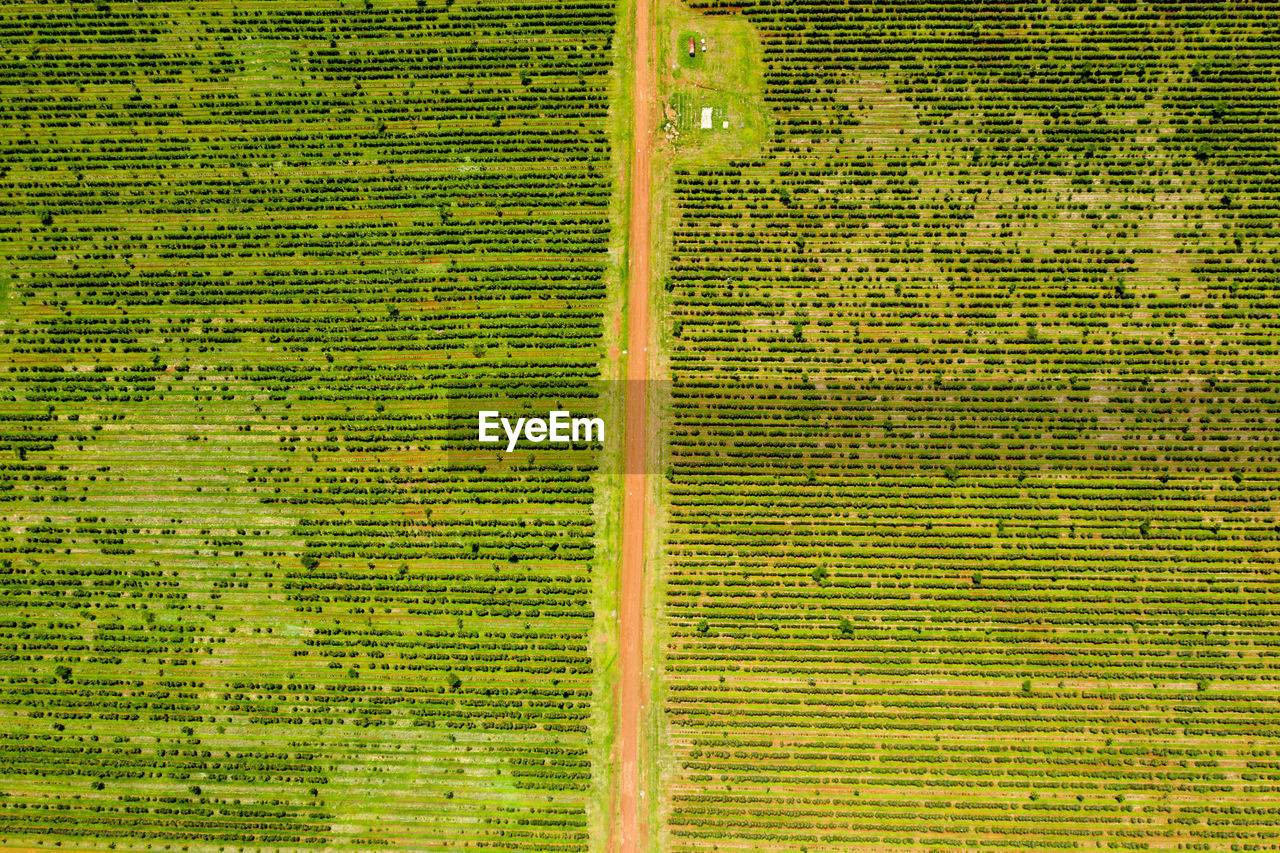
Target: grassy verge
[609, 482]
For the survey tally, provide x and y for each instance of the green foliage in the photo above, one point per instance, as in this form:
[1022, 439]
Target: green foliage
[991, 328]
[255, 257]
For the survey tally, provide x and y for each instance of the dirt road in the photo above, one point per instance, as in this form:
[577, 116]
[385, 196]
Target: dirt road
[629, 836]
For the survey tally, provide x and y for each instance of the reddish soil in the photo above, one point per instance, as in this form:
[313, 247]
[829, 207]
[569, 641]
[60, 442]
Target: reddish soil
[632, 696]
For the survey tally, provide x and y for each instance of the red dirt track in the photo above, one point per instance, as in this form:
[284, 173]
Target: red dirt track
[629, 836]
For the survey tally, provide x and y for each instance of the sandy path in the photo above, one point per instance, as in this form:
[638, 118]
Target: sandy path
[631, 686]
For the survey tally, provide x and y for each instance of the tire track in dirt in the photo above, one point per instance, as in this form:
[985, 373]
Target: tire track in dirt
[630, 833]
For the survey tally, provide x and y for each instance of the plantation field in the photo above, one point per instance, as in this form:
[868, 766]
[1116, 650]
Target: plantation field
[972, 478]
[254, 255]
[965, 526]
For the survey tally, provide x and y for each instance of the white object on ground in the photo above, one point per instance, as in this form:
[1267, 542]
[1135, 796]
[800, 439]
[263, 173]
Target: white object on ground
[706, 118]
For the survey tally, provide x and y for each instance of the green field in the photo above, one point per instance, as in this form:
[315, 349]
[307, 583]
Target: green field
[254, 255]
[966, 521]
[972, 485]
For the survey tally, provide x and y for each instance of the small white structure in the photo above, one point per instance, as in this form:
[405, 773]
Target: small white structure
[726, 125]
[706, 118]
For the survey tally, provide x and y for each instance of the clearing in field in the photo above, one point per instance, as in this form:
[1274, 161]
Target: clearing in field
[712, 98]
